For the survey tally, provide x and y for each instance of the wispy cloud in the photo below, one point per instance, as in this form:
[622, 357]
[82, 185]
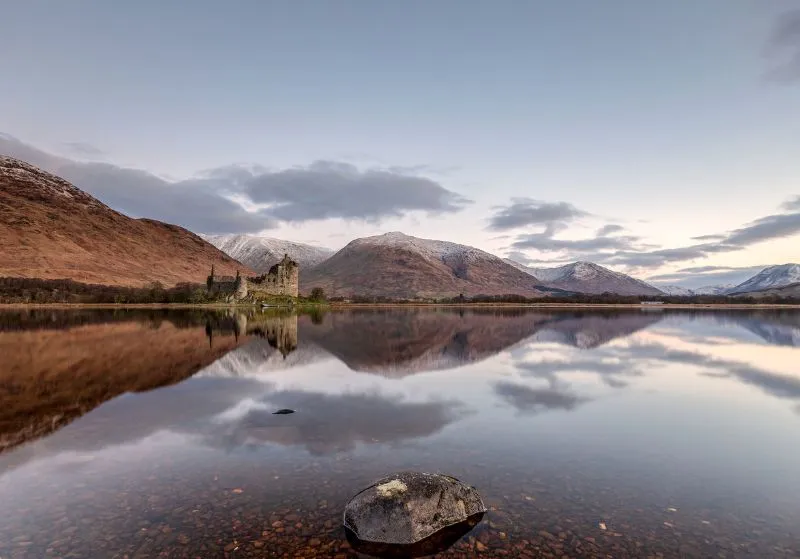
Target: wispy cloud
[792, 205]
[84, 149]
[784, 45]
[776, 226]
[525, 212]
[609, 229]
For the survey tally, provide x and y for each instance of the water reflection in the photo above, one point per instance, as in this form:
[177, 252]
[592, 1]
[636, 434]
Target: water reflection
[58, 366]
[330, 423]
[134, 421]
[535, 400]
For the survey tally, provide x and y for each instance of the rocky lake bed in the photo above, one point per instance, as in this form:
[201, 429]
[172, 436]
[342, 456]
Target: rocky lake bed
[592, 434]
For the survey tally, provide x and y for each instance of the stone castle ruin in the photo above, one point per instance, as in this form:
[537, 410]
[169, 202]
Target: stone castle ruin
[282, 280]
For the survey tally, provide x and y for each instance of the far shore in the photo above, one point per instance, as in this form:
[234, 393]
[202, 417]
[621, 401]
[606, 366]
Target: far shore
[337, 306]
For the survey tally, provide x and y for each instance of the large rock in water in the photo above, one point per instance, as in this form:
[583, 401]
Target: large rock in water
[408, 507]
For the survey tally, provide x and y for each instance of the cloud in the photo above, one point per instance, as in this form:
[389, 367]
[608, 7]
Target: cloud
[792, 205]
[546, 243]
[767, 228]
[784, 43]
[709, 238]
[609, 229]
[775, 384]
[554, 217]
[520, 257]
[702, 276]
[706, 269]
[194, 204]
[529, 400]
[628, 250]
[609, 372]
[523, 212]
[657, 258]
[328, 189]
[83, 149]
[214, 201]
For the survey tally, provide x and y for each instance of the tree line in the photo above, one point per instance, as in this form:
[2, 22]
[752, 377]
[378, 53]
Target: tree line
[41, 291]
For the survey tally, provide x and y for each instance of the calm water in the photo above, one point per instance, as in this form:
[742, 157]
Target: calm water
[624, 434]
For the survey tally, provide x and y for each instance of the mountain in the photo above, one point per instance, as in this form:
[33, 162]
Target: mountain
[676, 290]
[712, 290]
[587, 277]
[260, 253]
[681, 291]
[400, 266]
[51, 229]
[405, 341]
[791, 290]
[769, 278]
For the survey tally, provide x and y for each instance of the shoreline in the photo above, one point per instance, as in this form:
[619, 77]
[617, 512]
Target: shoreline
[335, 306]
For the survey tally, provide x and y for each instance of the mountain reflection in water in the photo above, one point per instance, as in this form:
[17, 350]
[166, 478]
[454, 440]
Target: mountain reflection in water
[122, 422]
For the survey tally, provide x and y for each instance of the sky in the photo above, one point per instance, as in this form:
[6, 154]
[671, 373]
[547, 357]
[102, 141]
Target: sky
[656, 138]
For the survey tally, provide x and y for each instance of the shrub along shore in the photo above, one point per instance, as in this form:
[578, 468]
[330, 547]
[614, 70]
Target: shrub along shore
[34, 291]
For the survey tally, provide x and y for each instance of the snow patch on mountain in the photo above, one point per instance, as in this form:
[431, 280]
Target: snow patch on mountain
[676, 290]
[429, 248]
[769, 277]
[588, 277]
[260, 253]
[680, 291]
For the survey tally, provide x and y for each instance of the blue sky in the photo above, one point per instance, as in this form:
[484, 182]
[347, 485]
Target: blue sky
[671, 119]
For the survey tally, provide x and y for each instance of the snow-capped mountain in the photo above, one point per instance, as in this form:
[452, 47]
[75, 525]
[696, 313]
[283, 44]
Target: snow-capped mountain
[262, 252]
[401, 266]
[680, 291]
[770, 277]
[676, 290]
[429, 248]
[588, 277]
[712, 289]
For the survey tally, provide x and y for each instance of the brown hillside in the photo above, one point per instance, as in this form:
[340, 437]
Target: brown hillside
[51, 229]
[399, 266]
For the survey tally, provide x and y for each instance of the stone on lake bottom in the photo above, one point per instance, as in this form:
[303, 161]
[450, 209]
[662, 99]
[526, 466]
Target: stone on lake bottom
[412, 510]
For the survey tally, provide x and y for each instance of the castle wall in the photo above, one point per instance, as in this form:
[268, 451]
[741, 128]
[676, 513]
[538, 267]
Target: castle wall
[222, 287]
[283, 279]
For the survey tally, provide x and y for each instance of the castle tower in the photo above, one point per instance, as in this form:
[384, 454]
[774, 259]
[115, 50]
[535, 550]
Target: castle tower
[289, 272]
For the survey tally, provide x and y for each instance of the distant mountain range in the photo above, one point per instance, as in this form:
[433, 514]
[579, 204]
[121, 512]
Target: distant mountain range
[772, 280]
[587, 277]
[51, 229]
[260, 253]
[681, 291]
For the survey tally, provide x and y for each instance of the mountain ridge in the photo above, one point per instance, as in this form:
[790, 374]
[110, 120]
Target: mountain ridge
[51, 229]
[261, 252]
[771, 277]
[589, 278]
